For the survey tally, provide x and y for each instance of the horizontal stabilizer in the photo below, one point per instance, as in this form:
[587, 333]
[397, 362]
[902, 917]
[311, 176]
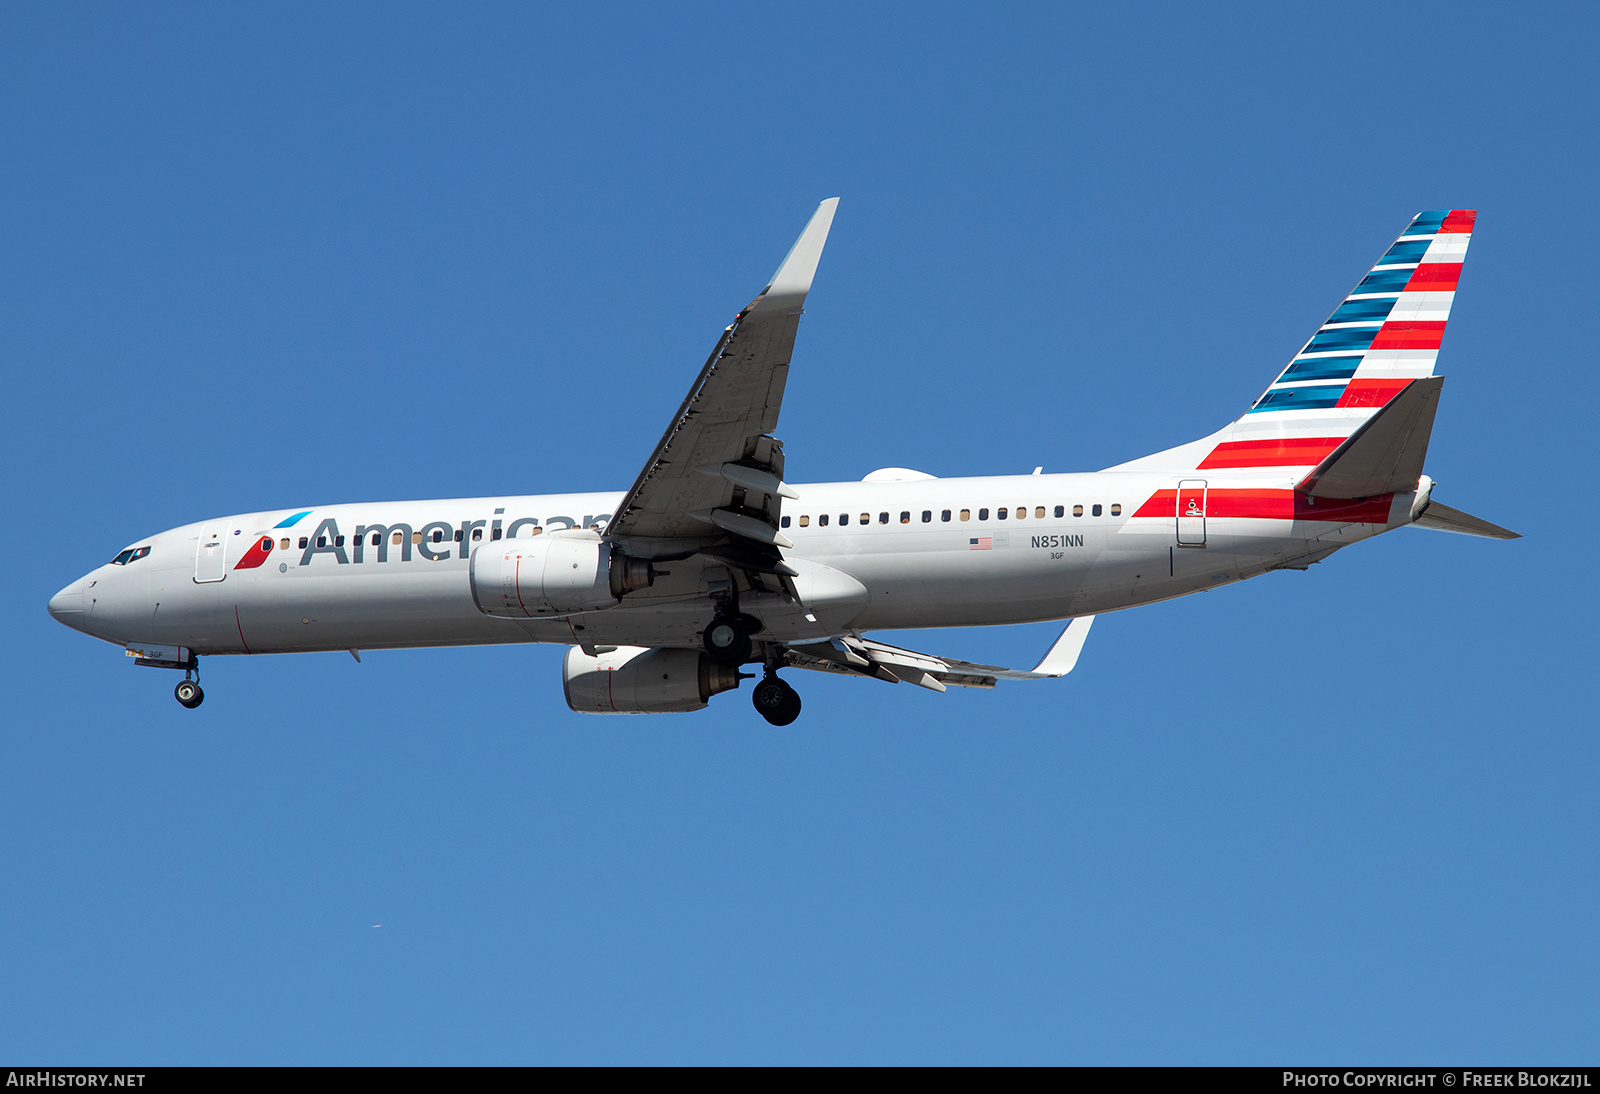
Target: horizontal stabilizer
[1446, 519]
[1385, 455]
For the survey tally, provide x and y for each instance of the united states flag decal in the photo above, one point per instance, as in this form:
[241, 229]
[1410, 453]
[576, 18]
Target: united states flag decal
[982, 543]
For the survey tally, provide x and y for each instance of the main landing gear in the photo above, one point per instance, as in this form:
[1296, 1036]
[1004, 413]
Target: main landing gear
[727, 640]
[775, 700]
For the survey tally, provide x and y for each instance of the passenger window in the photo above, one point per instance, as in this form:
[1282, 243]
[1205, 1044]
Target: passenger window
[866, 518]
[805, 522]
[496, 534]
[1116, 510]
[1061, 510]
[844, 518]
[905, 516]
[338, 541]
[438, 536]
[396, 538]
[283, 544]
[883, 518]
[457, 536]
[1097, 510]
[1022, 511]
[477, 534]
[1077, 510]
[966, 514]
[322, 541]
[983, 514]
[822, 521]
[944, 515]
[784, 523]
[535, 531]
[927, 516]
[1038, 514]
[304, 543]
[1002, 513]
[416, 537]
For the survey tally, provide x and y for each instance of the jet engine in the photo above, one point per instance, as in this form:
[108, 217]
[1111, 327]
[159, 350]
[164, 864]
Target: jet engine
[637, 680]
[569, 570]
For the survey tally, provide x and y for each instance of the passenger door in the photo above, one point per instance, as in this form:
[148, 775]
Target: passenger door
[1192, 513]
[211, 554]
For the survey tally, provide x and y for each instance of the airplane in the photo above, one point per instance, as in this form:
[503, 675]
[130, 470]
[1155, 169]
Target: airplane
[711, 561]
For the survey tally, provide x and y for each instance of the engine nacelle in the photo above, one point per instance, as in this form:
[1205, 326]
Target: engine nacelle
[638, 680]
[568, 570]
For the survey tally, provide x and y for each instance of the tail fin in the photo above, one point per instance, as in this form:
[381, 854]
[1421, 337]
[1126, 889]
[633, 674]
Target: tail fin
[1384, 335]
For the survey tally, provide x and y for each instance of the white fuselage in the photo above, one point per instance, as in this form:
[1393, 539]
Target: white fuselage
[961, 564]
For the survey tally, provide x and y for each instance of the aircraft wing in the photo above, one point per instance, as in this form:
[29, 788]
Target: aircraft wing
[717, 470]
[865, 657]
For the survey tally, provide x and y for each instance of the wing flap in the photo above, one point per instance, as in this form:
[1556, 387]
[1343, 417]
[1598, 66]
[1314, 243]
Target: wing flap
[864, 657]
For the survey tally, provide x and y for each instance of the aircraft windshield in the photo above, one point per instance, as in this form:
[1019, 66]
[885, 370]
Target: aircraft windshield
[132, 554]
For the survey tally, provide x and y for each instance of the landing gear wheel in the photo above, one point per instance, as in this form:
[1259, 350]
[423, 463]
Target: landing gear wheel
[776, 701]
[189, 694]
[727, 641]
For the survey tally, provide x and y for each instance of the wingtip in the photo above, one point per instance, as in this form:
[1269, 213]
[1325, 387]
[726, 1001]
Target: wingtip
[792, 280]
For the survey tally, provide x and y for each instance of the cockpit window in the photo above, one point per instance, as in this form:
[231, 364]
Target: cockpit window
[132, 554]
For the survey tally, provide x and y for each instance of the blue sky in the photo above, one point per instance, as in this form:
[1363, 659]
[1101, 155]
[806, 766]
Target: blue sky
[330, 253]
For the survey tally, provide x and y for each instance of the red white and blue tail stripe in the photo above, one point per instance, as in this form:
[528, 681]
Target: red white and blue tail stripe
[1384, 335]
[1387, 331]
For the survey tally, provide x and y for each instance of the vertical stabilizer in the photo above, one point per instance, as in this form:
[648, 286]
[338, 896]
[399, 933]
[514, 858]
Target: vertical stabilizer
[1383, 336]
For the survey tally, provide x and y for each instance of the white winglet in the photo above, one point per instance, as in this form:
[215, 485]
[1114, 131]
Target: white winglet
[789, 285]
[1063, 656]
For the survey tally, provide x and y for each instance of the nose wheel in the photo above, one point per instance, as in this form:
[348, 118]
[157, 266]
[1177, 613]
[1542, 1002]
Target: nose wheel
[776, 701]
[189, 694]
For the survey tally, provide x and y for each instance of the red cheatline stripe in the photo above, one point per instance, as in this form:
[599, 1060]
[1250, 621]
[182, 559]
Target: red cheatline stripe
[1419, 334]
[1275, 505]
[1435, 277]
[1459, 220]
[1370, 392]
[1273, 452]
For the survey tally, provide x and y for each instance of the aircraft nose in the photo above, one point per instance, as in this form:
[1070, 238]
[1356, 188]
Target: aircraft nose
[67, 605]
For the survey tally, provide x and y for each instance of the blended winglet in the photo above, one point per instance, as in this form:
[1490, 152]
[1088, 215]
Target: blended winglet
[1063, 656]
[792, 281]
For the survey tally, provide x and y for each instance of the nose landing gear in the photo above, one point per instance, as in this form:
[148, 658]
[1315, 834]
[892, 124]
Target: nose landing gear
[776, 701]
[188, 690]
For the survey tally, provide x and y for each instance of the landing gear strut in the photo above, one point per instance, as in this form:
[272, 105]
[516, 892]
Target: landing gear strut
[188, 691]
[776, 701]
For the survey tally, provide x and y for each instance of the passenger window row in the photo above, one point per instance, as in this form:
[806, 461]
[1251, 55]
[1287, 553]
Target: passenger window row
[946, 515]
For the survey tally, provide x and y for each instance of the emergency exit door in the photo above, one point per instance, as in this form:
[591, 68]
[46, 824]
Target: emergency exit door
[1192, 513]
